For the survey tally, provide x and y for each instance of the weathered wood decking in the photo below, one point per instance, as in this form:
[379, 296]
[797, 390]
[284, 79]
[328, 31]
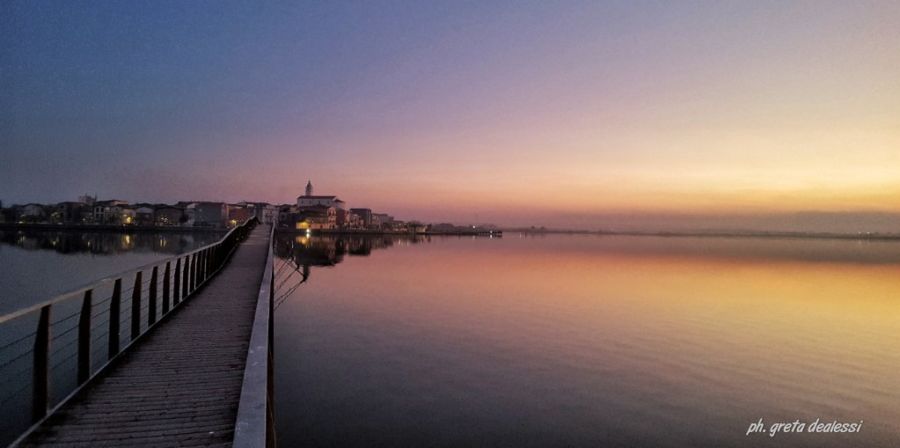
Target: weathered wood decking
[181, 385]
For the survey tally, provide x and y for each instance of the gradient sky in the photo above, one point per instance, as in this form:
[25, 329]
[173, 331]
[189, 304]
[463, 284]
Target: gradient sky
[714, 114]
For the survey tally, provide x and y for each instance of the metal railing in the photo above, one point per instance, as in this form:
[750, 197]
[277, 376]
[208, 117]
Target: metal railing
[255, 424]
[78, 334]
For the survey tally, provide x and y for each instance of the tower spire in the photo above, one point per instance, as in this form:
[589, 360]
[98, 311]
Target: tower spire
[309, 188]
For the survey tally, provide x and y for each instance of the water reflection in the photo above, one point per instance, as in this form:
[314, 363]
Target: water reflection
[106, 243]
[589, 341]
[299, 253]
[329, 250]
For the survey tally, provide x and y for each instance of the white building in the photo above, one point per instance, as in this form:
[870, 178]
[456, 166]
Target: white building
[309, 200]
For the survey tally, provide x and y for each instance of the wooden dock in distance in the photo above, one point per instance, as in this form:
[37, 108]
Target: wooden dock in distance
[181, 384]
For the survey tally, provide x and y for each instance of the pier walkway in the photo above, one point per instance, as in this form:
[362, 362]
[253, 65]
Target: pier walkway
[181, 384]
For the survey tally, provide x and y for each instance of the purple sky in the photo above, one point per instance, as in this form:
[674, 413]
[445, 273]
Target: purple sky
[570, 114]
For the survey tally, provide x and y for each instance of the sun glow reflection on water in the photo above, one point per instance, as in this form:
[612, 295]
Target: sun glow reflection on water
[590, 341]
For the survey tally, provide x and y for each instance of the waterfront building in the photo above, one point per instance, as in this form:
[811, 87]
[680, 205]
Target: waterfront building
[206, 214]
[32, 213]
[269, 213]
[365, 217]
[416, 227]
[128, 215]
[265, 212]
[285, 214]
[168, 215]
[354, 222]
[316, 217]
[237, 213]
[144, 215]
[308, 199]
[385, 220]
[342, 218]
[108, 212]
[68, 212]
[446, 227]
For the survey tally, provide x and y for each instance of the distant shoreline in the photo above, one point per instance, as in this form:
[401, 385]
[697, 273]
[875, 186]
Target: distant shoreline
[108, 228]
[719, 234]
[288, 230]
[670, 234]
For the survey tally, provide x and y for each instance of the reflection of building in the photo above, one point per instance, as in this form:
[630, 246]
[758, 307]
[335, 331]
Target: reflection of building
[328, 250]
[107, 243]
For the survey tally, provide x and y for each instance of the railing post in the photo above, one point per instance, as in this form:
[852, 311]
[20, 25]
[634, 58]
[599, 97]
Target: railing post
[165, 296]
[176, 291]
[151, 299]
[40, 374]
[206, 258]
[195, 270]
[194, 265]
[84, 337]
[189, 274]
[136, 306]
[115, 307]
[201, 267]
[185, 278]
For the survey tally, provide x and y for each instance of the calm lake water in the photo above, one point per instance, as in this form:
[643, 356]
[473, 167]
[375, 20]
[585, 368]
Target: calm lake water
[585, 341]
[36, 265]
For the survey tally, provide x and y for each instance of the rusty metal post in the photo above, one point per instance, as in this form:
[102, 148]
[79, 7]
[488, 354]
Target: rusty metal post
[40, 397]
[176, 291]
[185, 277]
[136, 305]
[115, 308]
[165, 295]
[84, 337]
[197, 264]
[189, 274]
[206, 257]
[193, 271]
[201, 267]
[151, 299]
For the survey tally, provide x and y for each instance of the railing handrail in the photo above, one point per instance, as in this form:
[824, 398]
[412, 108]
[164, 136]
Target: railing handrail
[111, 279]
[253, 423]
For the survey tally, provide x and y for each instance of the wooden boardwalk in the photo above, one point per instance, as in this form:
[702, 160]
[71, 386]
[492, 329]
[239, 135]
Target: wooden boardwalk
[181, 385]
